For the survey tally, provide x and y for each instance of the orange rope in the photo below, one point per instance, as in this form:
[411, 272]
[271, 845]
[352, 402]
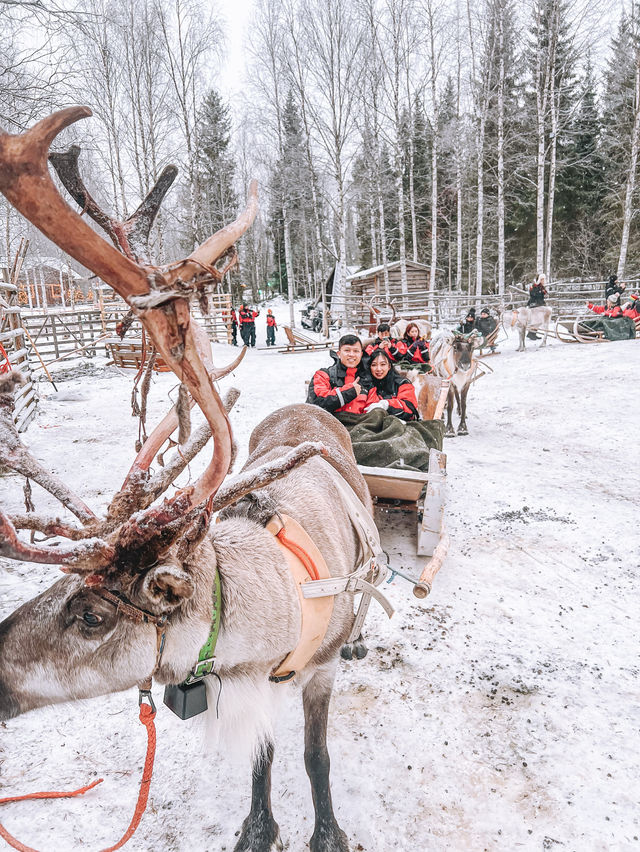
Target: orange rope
[6, 367]
[146, 717]
[302, 555]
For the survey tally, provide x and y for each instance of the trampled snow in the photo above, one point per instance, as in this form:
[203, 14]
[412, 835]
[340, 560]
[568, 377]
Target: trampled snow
[500, 713]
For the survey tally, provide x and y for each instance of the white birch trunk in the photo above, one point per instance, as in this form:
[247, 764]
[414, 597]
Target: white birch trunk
[412, 204]
[480, 230]
[434, 208]
[500, 175]
[631, 178]
[551, 191]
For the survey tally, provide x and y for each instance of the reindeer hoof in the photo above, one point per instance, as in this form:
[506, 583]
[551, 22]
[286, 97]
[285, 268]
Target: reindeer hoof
[462, 430]
[329, 838]
[360, 650]
[450, 433]
[346, 652]
[259, 834]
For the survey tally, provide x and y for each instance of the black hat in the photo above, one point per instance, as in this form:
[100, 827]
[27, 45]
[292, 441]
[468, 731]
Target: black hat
[613, 278]
[484, 311]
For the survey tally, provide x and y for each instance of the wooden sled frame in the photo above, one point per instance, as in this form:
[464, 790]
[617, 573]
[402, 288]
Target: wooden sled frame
[127, 354]
[569, 329]
[299, 342]
[422, 495]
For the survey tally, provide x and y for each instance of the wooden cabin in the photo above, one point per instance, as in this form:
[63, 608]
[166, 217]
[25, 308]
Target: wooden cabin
[370, 282]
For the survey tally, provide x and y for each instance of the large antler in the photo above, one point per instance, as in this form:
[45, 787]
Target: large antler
[158, 296]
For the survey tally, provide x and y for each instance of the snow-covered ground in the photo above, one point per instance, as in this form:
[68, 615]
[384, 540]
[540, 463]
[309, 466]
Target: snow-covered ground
[501, 713]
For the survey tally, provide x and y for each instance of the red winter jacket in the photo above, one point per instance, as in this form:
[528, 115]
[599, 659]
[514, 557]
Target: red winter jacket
[633, 313]
[332, 387]
[417, 350]
[612, 313]
[396, 348]
[400, 394]
[247, 315]
[271, 320]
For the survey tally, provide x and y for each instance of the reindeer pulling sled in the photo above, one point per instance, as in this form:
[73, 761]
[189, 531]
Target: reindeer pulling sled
[153, 590]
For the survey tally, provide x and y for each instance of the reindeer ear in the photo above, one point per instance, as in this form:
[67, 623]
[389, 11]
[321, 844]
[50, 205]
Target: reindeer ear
[167, 585]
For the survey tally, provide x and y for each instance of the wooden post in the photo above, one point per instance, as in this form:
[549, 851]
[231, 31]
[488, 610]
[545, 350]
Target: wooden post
[430, 529]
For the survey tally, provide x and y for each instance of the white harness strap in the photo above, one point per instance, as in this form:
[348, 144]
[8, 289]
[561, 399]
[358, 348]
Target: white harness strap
[368, 565]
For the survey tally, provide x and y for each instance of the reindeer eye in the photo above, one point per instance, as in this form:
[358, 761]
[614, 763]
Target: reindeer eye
[92, 619]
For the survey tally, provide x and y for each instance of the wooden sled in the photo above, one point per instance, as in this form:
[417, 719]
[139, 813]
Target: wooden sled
[409, 510]
[299, 342]
[570, 329]
[128, 354]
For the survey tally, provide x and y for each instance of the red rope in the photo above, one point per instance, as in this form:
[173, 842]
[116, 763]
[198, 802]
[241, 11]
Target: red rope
[146, 717]
[4, 368]
[302, 555]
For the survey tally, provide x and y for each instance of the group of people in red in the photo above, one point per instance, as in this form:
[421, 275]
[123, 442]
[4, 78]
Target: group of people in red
[246, 319]
[613, 307]
[361, 380]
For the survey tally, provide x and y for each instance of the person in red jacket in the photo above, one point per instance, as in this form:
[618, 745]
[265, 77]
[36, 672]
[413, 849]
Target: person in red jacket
[612, 309]
[344, 385]
[632, 308]
[247, 317]
[395, 348]
[417, 347]
[390, 391]
[271, 329]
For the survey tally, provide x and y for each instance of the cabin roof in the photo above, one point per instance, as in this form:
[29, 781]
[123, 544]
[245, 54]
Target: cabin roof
[373, 270]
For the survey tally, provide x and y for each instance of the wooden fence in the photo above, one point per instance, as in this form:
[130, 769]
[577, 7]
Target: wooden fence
[57, 332]
[445, 308]
[15, 343]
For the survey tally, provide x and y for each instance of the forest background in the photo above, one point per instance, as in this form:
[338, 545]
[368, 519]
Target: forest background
[491, 140]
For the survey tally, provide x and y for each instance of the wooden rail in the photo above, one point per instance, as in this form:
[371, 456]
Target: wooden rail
[15, 343]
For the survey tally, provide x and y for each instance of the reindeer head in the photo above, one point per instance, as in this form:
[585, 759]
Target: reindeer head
[463, 347]
[134, 574]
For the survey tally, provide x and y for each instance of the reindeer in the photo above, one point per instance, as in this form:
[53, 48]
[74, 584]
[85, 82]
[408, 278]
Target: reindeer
[453, 358]
[138, 593]
[531, 319]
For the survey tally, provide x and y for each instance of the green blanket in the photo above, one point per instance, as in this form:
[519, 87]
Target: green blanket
[382, 440]
[622, 328]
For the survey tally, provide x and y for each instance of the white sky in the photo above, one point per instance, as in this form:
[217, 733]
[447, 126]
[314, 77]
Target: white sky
[237, 18]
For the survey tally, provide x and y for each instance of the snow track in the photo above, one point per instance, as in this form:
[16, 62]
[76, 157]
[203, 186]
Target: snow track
[501, 713]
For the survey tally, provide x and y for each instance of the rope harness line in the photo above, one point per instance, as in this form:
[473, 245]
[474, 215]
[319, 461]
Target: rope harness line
[147, 716]
[5, 363]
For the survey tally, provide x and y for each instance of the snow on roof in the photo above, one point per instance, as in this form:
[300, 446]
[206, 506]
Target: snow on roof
[39, 262]
[365, 273]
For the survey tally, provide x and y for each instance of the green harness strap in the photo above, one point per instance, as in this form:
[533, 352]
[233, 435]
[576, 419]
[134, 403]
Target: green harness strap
[206, 658]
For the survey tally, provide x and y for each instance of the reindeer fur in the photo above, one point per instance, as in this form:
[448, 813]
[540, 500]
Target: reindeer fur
[42, 664]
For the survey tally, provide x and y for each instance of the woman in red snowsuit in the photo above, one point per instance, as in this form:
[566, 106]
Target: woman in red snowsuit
[389, 391]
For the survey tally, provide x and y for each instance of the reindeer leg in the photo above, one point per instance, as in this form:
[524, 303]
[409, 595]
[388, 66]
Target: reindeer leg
[521, 331]
[260, 832]
[462, 428]
[450, 432]
[327, 834]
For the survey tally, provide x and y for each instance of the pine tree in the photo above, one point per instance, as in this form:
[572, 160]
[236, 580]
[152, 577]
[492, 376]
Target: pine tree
[580, 192]
[215, 165]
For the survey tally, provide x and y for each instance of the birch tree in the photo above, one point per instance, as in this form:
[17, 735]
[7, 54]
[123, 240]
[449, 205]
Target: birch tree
[333, 40]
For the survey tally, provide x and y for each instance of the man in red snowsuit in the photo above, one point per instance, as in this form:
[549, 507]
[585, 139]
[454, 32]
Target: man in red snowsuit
[395, 349]
[247, 317]
[344, 385]
[271, 329]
